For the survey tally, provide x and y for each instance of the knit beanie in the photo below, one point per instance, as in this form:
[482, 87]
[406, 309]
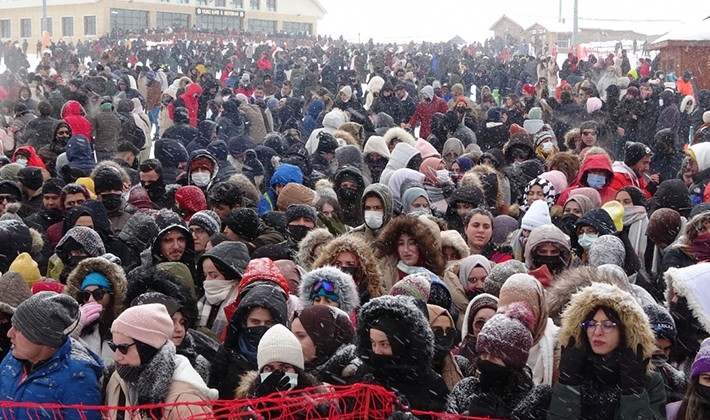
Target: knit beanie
[43, 318]
[416, 285]
[701, 364]
[664, 226]
[503, 226]
[500, 273]
[207, 220]
[13, 291]
[607, 249]
[31, 177]
[535, 113]
[507, 336]
[47, 286]
[107, 178]
[514, 129]
[293, 193]
[557, 178]
[662, 322]
[348, 91]
[150, 324]
[528, 88]
[244, 222]
[635, 151]
[53, 186]
[484, 300]
[296, 211]
[27, 267]
[191, 199]
[328, 327]
[279, 344]
[616, 211]
[537, 215]
[428, 91]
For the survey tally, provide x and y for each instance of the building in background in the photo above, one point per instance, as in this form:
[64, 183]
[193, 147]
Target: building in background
[73, 20]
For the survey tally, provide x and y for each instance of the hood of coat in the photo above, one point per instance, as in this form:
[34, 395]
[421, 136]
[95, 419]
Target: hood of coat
[428, 244]
[547, 234]
[594, 162]
[72, 108]
[262, 270]
[368, 264]
[315, 108]
[637, 329]
[170, 153]
[113, 273]
[453, 239]
[333, 120]
[187, 256]
[202, 153]
[343, 287]
[266, 296]
[79, 149]
[399, 134]
[382, 192]
[416, 341]
[686, 282]
[314, 238]
[286, 173]
[400, 156]
[233, 255]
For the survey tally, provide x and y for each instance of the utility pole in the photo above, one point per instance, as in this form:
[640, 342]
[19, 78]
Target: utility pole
[44, 17]
[559, 18]
[575, 24]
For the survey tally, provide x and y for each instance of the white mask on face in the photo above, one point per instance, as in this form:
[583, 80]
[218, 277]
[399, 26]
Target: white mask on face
[201, 179]
[374, 219]
[547, 146]
[216, 291]
[21, 161]
[443, 176]
[292, 378]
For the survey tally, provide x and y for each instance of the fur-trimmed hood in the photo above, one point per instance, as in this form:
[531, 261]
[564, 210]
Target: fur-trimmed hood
[369, 270]
[386, 244]
[399, 134]
[113, 272]
[319, 236]
[416, 340]
[634, 320]
[453, 239]
[686, 282]
[344, 288]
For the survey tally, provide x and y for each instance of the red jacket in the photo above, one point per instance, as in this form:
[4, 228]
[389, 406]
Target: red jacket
[606, 192]
[73, 114]
[34, 159]
[191, 95]
[424, 112]
[625, 177]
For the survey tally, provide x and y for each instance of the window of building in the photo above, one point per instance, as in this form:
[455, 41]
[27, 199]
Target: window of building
[254, 4]
[89, 25]
[173, 20]
[5, 28]
[49, 26]
[202, 2]
[183, 1]
[67, 26]
[25, 28]
[238, 4]
[295, 28]
[220, 3]
[211, 22]
[125, 19]
[271, 5]
[262, 26]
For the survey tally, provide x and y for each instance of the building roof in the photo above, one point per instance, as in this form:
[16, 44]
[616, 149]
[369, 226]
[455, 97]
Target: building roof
[552, 24]
[698, 31]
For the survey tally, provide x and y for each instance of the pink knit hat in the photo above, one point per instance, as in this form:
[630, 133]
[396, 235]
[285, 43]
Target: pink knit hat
[150, 324]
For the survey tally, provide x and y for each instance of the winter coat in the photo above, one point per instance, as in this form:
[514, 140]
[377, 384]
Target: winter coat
[183, 132]
[385, 195]
[71, 376]
[458, 294]
[191, 95]
[40, 131]
[413, 378]
[669, 116]
[593, 394]
[624, 176]
[257, 126]
[96, 336]
[424, 112]
[80, 155]
[284, 174]
[107, 127]
[596, 162]
[185, 387]
[73, 114]
[343, 287]
[170, 153]
[522, 401]
[389, 105]
[399, 158]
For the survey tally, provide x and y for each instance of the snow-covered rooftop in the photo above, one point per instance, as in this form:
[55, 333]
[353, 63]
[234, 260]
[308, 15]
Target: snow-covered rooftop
[646, 27]
[698, 31]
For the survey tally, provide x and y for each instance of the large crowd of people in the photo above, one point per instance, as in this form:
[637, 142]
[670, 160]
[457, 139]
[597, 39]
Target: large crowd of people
[483, 232]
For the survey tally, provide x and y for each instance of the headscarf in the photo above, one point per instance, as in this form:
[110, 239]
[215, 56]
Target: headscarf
[584, 202]
[469, 263]
[547, 188]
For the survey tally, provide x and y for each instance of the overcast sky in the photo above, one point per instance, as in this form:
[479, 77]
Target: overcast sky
[441, 20]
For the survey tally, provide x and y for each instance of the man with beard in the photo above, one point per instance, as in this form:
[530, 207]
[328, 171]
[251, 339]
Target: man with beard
[150, 173]
[349, 186]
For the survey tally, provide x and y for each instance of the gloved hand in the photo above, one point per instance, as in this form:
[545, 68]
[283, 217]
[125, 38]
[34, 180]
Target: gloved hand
[277, 381]
[633, 371]
[571, 362]
[333, 224]
[90, 312]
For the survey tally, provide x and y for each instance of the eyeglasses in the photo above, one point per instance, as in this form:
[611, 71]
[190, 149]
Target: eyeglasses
[123, 348]
[8, 197]
[592, 325]
[97, 294]
[589, 133]
[324, 284]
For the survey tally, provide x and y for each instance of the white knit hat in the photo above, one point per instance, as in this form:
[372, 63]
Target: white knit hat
[537, 215]
[279, 345]
[150, 324]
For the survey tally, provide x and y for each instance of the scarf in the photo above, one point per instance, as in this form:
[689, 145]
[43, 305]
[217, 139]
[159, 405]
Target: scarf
[246, 349]
[216, 291]
[154, 381]
[220, 320]
[407, 269]
[636, 219]
[700, 247]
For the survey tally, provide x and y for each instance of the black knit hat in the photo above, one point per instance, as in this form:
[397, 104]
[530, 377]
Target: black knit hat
[326, 143]
[635, 152]
[31, 177]
[295, 211]
[107, 179]
[662, 322]
[53, 186]
[244, 222]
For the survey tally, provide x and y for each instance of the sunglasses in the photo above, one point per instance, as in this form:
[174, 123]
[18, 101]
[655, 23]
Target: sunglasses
[8, 197]
[443, 332]
[97, 294]
[123, 348]
[324, 284]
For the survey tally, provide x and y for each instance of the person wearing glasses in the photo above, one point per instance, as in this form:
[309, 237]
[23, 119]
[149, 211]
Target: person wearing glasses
[99, 286]
[604, 367]
[148, 370]
[9, 193]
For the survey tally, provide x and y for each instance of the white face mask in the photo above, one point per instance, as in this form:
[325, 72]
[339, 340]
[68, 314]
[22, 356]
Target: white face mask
[216, 291]
[547, 146]
[292, 378]
[443, 176]
[201, 179]
[374, 219]
[21, 161]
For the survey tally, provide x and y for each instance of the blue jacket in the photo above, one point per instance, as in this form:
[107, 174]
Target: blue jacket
[284, 174]
[70, 377]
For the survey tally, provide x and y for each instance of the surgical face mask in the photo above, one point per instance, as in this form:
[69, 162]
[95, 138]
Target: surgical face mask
[21, 161]
[292, 378]
[586, 240]
[374, 219]
[201, 179]
[442, 176]
[596, 181]
[547, 146]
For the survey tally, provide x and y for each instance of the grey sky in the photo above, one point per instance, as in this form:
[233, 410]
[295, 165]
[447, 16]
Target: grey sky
[440, 20]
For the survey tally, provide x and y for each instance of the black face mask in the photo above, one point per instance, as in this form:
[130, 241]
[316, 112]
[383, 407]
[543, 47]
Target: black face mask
[350, 270]
[703, 392]
[74, 261]
[5, 342]
[156, 190]
[492, 376]
[111, 202]
[253, 335]
[297, 232]
[658, 360]
[380, 361]
[442, 347]
[129, 374]
[348, 195]
[554, 263]
[55, 215]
